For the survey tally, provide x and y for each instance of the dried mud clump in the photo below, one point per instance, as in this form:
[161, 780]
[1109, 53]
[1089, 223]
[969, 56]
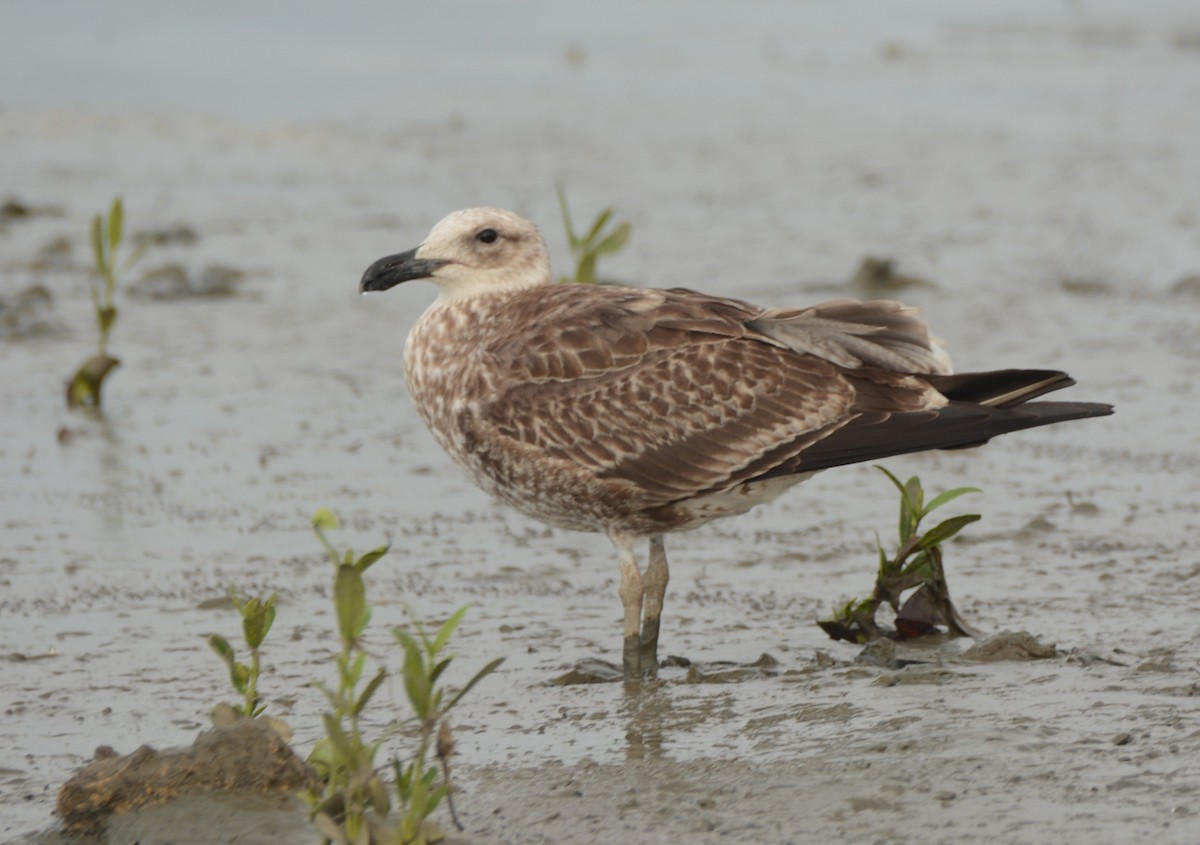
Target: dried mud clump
[247, 756]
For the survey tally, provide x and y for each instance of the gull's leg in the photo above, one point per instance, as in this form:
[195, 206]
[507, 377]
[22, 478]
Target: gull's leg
[632, 591]
[656, 587]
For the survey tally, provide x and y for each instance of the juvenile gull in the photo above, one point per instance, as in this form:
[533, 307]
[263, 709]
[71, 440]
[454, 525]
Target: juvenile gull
[639, 412]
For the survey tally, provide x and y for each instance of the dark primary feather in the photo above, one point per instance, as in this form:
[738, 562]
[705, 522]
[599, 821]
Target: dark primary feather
[958, 425]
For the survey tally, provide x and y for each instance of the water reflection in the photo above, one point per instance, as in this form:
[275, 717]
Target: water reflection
[646, 709]
[657, 715]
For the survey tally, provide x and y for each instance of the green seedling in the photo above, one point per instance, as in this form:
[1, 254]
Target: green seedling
[417, 781]
[257, 617]
[916, 563]
[355, 806]
[84, 390]
[587, 248]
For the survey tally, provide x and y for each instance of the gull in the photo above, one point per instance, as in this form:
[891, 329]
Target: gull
[639, 412]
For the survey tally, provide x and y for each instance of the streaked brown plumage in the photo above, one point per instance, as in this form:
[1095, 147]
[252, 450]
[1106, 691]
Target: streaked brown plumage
[640, 412]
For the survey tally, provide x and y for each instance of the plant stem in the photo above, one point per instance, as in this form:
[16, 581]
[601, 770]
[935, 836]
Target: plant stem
[252, 685]
[333, 555]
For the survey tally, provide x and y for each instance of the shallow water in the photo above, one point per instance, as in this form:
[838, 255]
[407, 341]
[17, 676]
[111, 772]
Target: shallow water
[1000, 152]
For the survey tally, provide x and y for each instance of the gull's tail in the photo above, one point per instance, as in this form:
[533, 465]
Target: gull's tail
[981, 406]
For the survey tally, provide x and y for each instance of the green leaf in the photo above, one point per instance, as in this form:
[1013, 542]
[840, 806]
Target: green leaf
[98, 245]
[418, 801]
[949, 496]
[134, 257]
[105, 316]
[337, 738]
[236, 600]
[239, 674]
[222, 647]
[566, 216]
[403, 638]
[372, 556]
[614, 242]
[479, 676]
[329, 829]
[355, 670]
[116, 224]
[920, 566]
[893, 478]
[447, 630]
[378, 796]
[369, 691]
[330, 695]
[945, 530]
[408, 826]
[325, 519]
[257, 618]
[321, 756]
[349, 599]
[601, 219]
[438, 669]
[416, 682]
[268, 617]
[915, 499]
[910, 507]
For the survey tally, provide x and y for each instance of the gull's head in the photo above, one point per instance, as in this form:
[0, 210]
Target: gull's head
[473, 251]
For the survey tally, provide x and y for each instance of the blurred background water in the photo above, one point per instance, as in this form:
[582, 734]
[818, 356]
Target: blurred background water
[708, 62]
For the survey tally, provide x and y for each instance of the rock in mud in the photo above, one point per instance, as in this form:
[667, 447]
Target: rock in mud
[173, 281]
[1187, 286]
[1081, 286]
[1009, 645]
[589, 671]
[55, 255]
[14, 208]
[731, 673]
[29, 313]
[878, 276]
[179, 234]
[246, 757]
[882, 653]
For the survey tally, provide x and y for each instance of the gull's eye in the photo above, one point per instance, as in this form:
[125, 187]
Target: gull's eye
[487, 236]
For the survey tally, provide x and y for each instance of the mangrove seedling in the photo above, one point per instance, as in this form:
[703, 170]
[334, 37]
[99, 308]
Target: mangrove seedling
[355, 805]
[597, 241]
[257, 617]
[915, 564]
[417, 783]
[84, 390]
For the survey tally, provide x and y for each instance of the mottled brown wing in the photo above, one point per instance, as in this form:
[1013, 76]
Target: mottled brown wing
[680, 420]
[666, 390]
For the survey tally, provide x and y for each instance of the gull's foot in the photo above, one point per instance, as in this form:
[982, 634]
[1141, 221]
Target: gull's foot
[648, 648]
[631, 659]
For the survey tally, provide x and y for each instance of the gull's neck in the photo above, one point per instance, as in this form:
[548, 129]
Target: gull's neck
[465, 288]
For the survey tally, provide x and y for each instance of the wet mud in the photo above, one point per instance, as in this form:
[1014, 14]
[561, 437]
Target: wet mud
[1036, 167]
